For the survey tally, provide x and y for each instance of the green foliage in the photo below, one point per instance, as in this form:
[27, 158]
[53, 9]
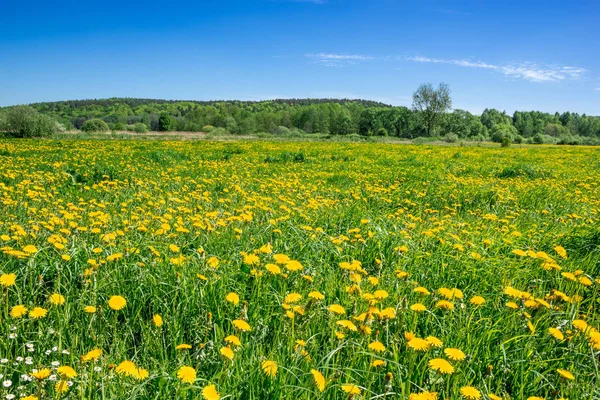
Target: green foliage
[430, 104]
[25, 121]
[164, 122]
[95, 125]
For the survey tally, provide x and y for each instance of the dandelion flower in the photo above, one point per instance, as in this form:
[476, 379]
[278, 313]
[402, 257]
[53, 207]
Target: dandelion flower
[454, 354]
[38, 312]
[434, 342]
[210, 393]
[92, 355]
[336, 309]
[233, 340]
[565, 374]
[57, 299]
[8, 280]
[319, 379]
[66, 371]
[233, 298]
[183, 346]
[61, 387]
[441, 365]
[377, 346]
[418, 307]
[186, 374]
[316, 295]
[89, 309]
[419, 344]
[18, 311]
[41, 374]
[269, 368]
[157, 319]
[227, 352]
[117, 303]
[470, 393]
[351, 389]
[556, 333]
[444, 305]
[477, 300]
[241, 325]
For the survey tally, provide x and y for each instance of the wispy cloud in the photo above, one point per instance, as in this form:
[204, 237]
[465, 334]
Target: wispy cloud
[598, 89]
[337, 60]
[524, 70]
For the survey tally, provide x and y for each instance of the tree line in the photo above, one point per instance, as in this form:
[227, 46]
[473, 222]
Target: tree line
[429, 117]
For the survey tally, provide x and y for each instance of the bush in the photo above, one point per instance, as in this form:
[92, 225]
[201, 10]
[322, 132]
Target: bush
[140, 128]
[544, 139]
[500, 131]
[451, 138]
[24, 121]
[94, 125]
[382, 132]
[505, 141]
[280, 130]
[207, 128]
[119, 126]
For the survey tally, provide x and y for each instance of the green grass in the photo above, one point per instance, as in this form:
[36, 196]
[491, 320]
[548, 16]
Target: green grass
[449, 217]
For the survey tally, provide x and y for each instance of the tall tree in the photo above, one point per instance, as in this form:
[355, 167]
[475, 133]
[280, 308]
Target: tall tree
[431, 103]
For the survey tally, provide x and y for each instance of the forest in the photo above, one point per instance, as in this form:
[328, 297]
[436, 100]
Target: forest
[324, 116]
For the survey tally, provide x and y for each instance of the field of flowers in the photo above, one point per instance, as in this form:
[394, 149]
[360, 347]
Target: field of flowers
[259, 270]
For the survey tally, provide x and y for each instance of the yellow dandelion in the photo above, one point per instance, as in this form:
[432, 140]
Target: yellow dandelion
[41, 374]
[57, 299]
[38, 312]
[470, 393]
[8, 280]
[18, 311]
[319, 379]
[454, 354]
[241, 325]
[209, 392]
[117, 303]
[377, 346]
[351, 389]
[441, 365]
[186, 374]
[269, 368]
[157, 320]
[66, 371]
[92, 355]
[565, 374]
[227, 352]
[233, 298]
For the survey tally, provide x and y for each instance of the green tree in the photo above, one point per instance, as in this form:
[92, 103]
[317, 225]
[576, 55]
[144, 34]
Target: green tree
[25, 121]
[431, 103]
[95, 125]
[164, 122]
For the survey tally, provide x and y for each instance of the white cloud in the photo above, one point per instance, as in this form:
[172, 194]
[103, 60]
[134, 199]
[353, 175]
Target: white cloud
[598, 89]
[524, 70]
[337, 60]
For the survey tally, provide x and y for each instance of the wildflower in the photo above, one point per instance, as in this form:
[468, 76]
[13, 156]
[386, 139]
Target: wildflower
[227, 352]
[347, 324]
[293, 265]
[561, 251]
[377, 346]
[421, 290]
[565, 374]
[18, 311]
[441, 365]
[336, 309]
[477, 300]
[316, 295]
[292, 298]
[41, 374]
[444, 305]
[241, 325]
[470, 393]
[157, 320]
[273, 269]
[319, 379]
[89, 309]
[127, 368]
[418, 307]
[61, 387]
[454, 354]
[377, 363]
[7, 280]
[233, 340]
[92, 355]
[209, 392]
[419, 344]
[233, 298]
[117, 303]
[434, 342]
[38, 312]
[57, 299]
[67, 371]
[423, 396]
[269, 368]
[186, 374]
[183, 346]
[351, 389]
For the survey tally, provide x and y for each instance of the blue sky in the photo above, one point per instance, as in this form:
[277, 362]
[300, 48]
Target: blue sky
[510, 55]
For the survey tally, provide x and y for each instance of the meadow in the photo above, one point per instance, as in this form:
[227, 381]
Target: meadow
[297, 270]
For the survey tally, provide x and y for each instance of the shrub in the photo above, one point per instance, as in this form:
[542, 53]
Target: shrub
[280, 130]
[451, 138]
[94, 125]
[382, 132]
[505, 141]
[140, 128]
[24, 121]
[207, 128]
